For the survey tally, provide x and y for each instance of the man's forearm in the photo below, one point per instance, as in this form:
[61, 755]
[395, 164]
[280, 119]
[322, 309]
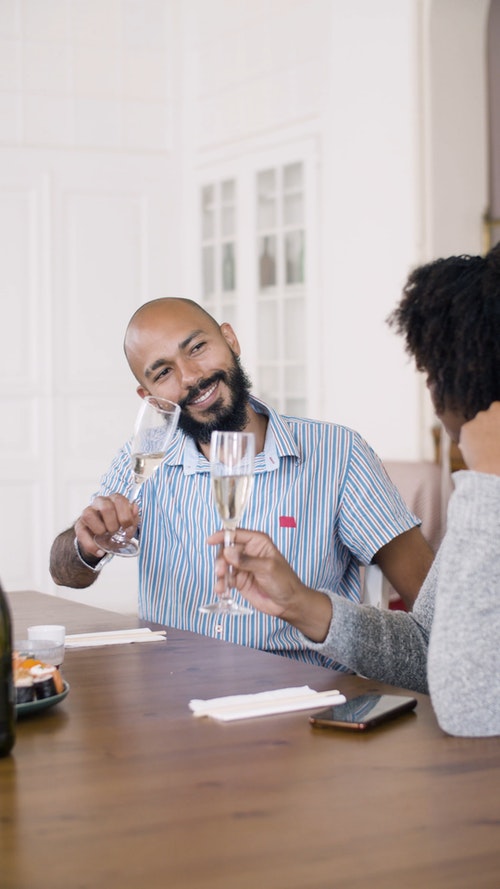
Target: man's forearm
[65, 567]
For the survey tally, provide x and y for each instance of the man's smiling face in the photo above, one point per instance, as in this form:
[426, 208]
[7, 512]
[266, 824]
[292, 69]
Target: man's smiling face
[177, 351]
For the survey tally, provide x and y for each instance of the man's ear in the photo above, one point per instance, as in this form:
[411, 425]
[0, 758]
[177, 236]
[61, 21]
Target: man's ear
[230, 337]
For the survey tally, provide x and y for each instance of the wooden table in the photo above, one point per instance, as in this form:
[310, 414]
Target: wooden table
[120, 786]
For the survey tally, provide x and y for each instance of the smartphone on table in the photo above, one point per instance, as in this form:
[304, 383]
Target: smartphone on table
[363, 712]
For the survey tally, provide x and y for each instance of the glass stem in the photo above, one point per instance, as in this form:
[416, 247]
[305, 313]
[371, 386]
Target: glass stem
[134, 493]
[229, 541]
[121, 535]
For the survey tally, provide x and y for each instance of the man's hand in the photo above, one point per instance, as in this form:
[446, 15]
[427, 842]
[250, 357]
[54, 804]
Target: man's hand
[105, 514]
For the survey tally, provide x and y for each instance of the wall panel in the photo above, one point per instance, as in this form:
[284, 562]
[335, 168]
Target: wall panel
[104, 274]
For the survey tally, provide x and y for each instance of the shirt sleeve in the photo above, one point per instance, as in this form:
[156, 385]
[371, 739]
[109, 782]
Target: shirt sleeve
[372, 511]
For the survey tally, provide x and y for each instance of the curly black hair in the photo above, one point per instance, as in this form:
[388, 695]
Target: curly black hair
[449, 316]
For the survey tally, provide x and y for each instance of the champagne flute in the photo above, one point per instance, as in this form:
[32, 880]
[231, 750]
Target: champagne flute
[154, 427]
[232, 457]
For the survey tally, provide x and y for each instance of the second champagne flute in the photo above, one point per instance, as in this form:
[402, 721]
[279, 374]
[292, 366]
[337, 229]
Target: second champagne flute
[232, 457]
[154, 427]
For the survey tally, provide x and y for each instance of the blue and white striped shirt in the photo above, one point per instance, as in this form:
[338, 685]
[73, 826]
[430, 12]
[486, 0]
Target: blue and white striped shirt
[321, 494]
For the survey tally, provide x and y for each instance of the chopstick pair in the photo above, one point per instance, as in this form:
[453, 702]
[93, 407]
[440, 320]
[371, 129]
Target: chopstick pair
[115, 637]
[266, 703]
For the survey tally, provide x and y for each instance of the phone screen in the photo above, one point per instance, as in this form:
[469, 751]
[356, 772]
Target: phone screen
[363, 712]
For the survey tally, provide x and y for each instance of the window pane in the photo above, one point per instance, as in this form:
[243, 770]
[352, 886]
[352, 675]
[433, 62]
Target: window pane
[268, 384]
[228, 313]
[228, 272]
[294, 257]
[294, 330]
[266, 182]
[293, 209]
[266, 200]
[292, 176]
[267, 262]
[207, 196]
[228, 191]
[266, 213]
[207, 207]
[267, 331]
[208, 270]
[295, 381]
[227, 222]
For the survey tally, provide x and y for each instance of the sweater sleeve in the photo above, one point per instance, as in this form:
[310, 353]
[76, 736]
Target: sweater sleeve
[464, 649]
[389, 646]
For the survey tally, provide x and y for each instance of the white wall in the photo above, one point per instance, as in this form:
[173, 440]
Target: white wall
[371, 224]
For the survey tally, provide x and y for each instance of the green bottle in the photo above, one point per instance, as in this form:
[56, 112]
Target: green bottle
[7, 707]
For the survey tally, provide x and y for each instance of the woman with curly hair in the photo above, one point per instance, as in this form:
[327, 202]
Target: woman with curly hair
[449, 317]
[449, 645]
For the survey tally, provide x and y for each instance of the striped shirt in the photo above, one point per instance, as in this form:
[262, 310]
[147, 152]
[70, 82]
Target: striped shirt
[321, 494]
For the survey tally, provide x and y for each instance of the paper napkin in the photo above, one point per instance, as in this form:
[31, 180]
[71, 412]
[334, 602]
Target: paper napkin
[114, 637]
[265, 703]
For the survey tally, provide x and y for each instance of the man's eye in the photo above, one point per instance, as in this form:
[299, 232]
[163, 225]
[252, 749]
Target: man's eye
[197, 347]
[163, 373]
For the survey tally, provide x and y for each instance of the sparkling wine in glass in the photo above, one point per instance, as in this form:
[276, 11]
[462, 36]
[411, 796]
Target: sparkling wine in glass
[232, 456]
[154, 427]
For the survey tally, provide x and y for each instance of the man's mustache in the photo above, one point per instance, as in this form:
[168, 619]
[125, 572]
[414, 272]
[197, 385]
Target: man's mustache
[195, 391]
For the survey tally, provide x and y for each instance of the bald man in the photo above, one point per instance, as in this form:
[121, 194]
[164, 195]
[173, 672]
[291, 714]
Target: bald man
[319, 492]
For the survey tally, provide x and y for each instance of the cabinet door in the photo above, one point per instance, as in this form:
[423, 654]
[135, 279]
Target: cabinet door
[282, 375]
[258, 267]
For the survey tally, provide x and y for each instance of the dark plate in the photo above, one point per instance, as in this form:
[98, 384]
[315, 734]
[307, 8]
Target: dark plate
[43, 703]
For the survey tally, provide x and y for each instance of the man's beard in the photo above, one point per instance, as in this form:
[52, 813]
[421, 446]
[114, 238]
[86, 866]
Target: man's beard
[232, 418]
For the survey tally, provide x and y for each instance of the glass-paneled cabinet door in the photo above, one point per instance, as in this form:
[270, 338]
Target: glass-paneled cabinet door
[208, 240]
[218, 248]
[228, 232]
[281, 297]
[267, 221]
[293, 223]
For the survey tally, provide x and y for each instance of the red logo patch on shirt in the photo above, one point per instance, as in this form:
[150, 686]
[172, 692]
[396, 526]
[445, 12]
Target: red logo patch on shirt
[287, 521]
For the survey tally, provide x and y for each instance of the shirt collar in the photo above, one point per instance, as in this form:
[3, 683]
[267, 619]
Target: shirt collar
[279, 443]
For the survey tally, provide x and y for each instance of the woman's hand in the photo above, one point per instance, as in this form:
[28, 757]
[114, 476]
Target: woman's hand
[264, 577]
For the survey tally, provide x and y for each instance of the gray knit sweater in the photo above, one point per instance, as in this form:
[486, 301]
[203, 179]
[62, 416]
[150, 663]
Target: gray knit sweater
[450, 643]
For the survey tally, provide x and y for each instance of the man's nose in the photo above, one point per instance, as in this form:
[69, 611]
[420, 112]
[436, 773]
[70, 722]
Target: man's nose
[190, 375]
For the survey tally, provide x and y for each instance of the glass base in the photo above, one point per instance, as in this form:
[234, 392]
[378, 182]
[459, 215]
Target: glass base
[225, 606]
[118, 545]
